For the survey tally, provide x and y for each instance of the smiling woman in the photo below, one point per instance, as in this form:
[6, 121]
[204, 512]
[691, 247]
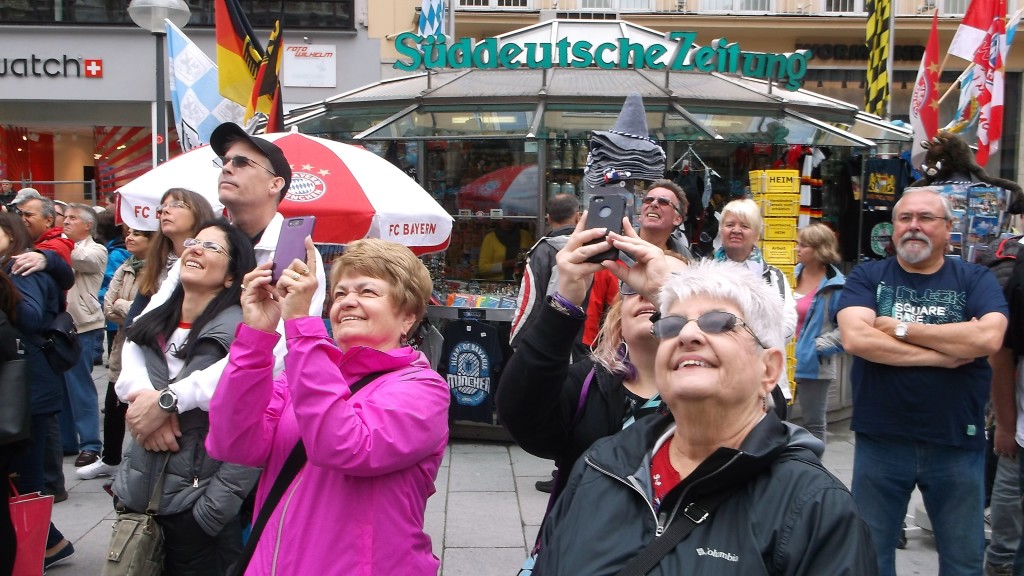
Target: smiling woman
[366, 413]
[721, 451]
[162, 379]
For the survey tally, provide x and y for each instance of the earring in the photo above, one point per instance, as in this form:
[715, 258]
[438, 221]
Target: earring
[764, 402]
[623, 351]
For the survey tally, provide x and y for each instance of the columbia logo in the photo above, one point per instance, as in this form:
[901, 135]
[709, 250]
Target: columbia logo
[716, 554]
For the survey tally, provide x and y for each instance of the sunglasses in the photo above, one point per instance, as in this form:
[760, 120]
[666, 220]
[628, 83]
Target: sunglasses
[626, 289]
[192, 244]
[239, 161]
[172, 204]
[714, 322]
[648, 200]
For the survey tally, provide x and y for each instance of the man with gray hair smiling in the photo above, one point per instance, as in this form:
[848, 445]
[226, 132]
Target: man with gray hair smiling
[920, 326]
[80, 420]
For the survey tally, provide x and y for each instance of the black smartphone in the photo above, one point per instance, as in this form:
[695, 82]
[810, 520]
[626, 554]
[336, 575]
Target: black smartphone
[291, 243]
[606, 211]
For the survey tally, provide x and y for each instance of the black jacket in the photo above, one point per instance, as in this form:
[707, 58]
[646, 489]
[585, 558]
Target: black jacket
[539, 392]
[786, 516]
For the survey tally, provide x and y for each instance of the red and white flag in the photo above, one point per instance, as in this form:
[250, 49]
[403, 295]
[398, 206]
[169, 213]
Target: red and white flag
[924, 100]
[974, 28]
[990, 97]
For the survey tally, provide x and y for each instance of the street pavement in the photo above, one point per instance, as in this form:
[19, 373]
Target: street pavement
[482, 520]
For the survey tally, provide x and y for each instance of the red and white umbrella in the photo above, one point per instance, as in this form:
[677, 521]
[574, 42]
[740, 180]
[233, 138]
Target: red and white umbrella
[352, 192]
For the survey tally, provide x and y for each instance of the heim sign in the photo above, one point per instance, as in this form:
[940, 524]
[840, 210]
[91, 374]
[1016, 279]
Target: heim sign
[679, 52]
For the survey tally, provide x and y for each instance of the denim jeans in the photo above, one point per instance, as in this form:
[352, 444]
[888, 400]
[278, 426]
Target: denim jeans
[813, 398]
[82, 398]
[1005, 513]
[952, 482]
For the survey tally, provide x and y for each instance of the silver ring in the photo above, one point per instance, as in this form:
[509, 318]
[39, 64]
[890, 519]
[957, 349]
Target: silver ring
[243, 286]
[295, 276]
[305, 272]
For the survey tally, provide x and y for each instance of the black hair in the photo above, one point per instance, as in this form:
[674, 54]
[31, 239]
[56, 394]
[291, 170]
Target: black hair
[155, 327]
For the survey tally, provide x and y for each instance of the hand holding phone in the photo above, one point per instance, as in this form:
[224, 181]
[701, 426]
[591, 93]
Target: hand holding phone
[606, 211]
[291, 244]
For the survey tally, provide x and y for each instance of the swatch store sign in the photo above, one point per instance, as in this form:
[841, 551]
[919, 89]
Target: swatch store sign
[49, 66]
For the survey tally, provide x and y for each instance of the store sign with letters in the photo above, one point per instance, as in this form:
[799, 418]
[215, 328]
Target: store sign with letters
[310, 65]
[59, 67]
[677, 52]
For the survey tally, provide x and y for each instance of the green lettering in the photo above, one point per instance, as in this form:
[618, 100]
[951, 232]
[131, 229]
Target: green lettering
[508, 55]
[703, 59]
[753, 64]
[435, 55]
[563, 52]
[653, 54]
[411, 52]
[775, 66]
[601, 62]
[531, 55]
[485, 55]
[686, 44]
[460, 54]
[582, 58]
[629, 50]
[796, 69]
[732, 58]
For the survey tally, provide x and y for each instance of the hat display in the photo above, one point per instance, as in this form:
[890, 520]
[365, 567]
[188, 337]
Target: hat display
[626, 151]
[228, 133]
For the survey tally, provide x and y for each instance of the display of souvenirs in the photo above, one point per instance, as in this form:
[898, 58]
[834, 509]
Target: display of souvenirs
[978, 214]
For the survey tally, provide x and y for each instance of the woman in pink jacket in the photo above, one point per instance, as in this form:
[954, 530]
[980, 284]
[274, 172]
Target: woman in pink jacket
[356, 506]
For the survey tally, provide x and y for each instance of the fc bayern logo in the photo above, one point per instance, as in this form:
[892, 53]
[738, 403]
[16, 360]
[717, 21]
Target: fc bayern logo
[306, 187]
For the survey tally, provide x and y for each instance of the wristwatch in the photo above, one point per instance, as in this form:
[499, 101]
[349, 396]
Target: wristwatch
[900, 332]
[168, 400]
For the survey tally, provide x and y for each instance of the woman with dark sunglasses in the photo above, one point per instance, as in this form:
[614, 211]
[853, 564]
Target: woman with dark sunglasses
[556, 410]
[745, 490]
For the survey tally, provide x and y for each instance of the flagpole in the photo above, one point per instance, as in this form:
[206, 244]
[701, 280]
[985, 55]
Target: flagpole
[890, 72]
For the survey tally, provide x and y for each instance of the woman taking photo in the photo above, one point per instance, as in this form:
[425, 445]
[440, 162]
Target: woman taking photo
[39, 301]
[116, 302]
[357, 504]
[739, 230]
[164, 349]
[541, 400]
[721, 469]
[818, 286]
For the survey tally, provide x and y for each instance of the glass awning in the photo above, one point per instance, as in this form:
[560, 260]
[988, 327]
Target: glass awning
[456, 121]
[579, 120]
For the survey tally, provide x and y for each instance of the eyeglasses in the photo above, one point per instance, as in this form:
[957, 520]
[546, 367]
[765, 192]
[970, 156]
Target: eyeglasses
[648, 200]
[172, 204]
[926, 218]
[239, 162]
[192, 244]
[714, 322]
[626, 289]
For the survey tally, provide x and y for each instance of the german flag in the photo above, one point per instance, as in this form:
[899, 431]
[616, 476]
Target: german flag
[238, 52]
[266, 92]
[876, 97]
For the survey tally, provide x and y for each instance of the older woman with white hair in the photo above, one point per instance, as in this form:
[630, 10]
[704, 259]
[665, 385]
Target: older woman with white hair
[746, 488]
[738, 233]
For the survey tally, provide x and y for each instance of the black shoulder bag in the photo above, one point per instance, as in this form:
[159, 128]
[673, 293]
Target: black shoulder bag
[295, 461]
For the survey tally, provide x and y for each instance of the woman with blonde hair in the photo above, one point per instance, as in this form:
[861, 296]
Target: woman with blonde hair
[818, 286]
[556, 410]
[738, 233]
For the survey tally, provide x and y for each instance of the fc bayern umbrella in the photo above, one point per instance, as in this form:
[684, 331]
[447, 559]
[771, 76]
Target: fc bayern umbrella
[353, 193]
[513, 189]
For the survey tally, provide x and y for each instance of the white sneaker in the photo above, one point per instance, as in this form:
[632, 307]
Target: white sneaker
[97, 468]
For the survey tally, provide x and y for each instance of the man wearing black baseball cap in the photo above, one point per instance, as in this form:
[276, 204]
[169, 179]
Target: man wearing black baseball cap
[253, 179]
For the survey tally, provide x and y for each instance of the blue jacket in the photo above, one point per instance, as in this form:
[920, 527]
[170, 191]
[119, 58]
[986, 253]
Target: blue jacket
[41, 300]
[819, 342]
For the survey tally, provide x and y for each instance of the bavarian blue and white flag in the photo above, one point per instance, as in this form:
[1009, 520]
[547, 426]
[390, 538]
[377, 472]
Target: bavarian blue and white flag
[431, 18]
[198, 105]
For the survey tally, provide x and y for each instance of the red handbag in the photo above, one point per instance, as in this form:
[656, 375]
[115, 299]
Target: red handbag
[30, 514]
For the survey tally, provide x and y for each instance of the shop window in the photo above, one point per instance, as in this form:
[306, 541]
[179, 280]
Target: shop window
[738, 5]
[954, 7]
[844, 6]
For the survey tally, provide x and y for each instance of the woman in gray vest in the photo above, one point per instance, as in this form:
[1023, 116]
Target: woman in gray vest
[168, 400]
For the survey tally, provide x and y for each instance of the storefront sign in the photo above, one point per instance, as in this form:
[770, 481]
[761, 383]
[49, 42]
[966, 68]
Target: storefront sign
[310, 65]
[63, 67]
[677, 53]
[910, 53]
